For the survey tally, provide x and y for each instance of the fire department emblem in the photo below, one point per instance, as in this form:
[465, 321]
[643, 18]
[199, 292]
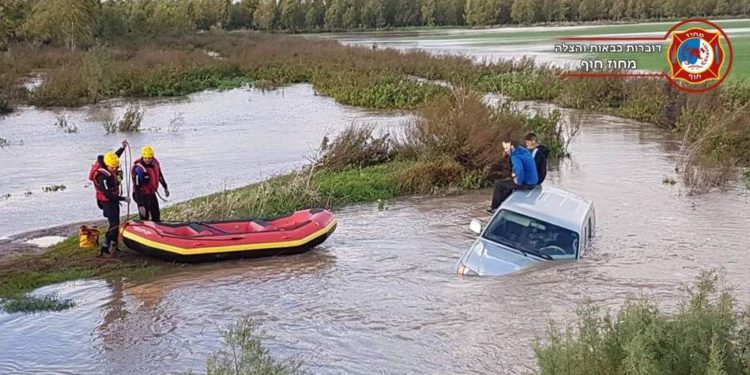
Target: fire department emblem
[696, 56]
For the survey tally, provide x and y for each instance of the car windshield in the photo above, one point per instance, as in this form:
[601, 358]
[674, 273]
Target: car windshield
[533, 236]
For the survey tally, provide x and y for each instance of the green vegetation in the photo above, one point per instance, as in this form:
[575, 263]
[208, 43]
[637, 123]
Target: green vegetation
[244, 354]
[75, 23]
[149, 65]
[707, 335]
[27, 304]
[129, 123]
[53, 188]
[442, 154]
[64, 124]
[64, 262]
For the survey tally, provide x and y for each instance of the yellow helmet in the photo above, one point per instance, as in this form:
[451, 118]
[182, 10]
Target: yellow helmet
[111, 160]
[147, 152]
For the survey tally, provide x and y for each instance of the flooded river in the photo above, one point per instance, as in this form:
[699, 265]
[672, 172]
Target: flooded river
[381, 295]
[206, 142]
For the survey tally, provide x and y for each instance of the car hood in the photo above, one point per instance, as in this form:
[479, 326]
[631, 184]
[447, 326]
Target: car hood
[496, 259]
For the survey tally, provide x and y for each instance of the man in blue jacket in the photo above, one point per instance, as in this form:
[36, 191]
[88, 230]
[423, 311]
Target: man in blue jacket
[524, 174]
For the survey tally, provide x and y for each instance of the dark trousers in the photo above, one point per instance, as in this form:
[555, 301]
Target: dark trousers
[148, 207]
[503, 189]
[111, 211]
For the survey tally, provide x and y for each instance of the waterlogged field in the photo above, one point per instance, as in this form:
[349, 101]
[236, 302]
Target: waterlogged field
[539, 43]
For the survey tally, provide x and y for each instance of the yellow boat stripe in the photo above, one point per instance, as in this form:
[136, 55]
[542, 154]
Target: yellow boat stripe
[230, 248]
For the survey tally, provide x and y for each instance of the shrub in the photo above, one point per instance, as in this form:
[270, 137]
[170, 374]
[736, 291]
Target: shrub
[64, 123]
[244, 354]
[645, 100]
[705, 336]
[466, 130]
[592, 94]
[65, 86]
[355, 147]
[427, 177]
[4, 105]
[129, 123]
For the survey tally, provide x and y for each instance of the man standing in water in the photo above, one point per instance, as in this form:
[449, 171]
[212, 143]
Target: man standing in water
[540, 154]
[106, 175]
[147, 176]
[524, 174]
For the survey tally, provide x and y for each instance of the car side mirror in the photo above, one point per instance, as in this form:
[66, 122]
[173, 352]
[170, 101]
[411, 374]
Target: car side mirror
[476, 226]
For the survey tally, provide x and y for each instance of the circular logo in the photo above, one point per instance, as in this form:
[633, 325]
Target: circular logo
[699, 57]
[696, 55]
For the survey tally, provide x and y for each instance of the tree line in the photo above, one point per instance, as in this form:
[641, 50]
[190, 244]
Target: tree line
[79, 22]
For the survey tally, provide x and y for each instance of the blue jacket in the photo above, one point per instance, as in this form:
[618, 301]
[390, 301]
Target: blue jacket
[524, 166]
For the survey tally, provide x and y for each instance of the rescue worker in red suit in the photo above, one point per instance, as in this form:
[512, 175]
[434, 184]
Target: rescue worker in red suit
[106, 176]
[147, 176]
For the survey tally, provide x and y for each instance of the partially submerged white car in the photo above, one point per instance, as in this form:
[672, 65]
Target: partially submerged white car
[531, 226]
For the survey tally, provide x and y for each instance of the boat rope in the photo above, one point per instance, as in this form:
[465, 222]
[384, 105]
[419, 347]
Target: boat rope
[162, 198]
[128, 161]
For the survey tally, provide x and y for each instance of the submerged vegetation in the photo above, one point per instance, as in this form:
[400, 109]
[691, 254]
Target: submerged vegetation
[243, 353]
[129, 123]
[27, 303]
[53, 188]
[64, 123]
[707, 335]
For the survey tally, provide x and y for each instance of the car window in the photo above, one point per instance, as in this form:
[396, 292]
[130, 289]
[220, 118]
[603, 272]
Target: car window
[535, 236]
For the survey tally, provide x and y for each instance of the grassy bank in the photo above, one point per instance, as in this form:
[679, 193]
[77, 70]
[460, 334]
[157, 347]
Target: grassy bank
[706, 335]
[451, 147]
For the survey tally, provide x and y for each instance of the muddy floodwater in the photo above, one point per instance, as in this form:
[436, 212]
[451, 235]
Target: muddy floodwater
[381, 296]
[206, 142]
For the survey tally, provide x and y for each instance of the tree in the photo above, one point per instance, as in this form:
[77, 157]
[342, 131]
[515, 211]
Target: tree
[472, 12]
[589, 10]
[617, 10]
[351, 17]
[71, 23]
[315, 14]
[428, 10]
[265, 15]
[292, 15]
[112, 21]
[503, 12]
[241, 14]
[12, 15]
[334, 14]
[524, 11]
[407, 13]
[168, 17]
[372, 14]
[210, 13]
[722, 7]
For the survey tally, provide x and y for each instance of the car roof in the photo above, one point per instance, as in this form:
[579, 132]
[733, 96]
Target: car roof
[550, 204]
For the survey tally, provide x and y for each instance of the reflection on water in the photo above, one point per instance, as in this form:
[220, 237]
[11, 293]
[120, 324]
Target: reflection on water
[206, 142]
[381, 294]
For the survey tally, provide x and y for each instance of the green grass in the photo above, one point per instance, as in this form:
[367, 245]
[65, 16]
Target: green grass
[65, 262]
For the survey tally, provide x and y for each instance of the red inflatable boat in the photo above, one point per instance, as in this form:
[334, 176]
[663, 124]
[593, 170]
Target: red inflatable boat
[295, 233]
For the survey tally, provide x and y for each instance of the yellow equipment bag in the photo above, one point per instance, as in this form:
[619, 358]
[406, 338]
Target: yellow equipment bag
[88, 237]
